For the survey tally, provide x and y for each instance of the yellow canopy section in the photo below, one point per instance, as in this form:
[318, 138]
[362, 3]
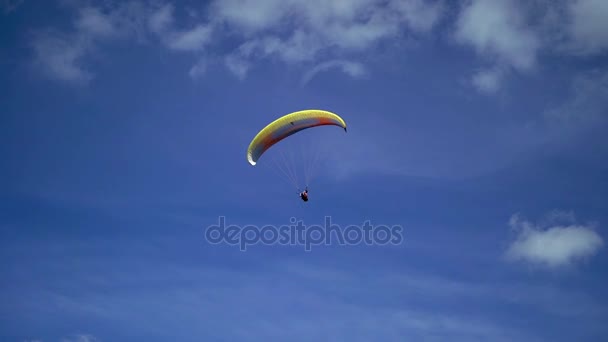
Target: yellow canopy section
[287, 125]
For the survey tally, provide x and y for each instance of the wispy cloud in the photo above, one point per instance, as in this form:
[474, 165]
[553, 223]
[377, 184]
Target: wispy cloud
[64, 55]
[191, 40]
[292, 31]
[509, 36]
[300, 31]
[554, 245]
[331, 304]
[80, 338]
[162, 22]
[496, 30]
[354, 297]
[588, 28]
[61, 57]
[238, 66]
[353, 69]
[586, 104]
[95, 23]
[198, 70]
[488, 80]
[498, 33]
[161, 19]
[422, 16]
[514, 35]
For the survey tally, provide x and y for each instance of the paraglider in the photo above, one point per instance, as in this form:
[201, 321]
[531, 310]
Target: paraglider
[304, 195]
[285, 126]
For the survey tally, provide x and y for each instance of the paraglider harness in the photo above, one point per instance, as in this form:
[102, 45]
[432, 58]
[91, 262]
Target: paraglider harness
[304, 195]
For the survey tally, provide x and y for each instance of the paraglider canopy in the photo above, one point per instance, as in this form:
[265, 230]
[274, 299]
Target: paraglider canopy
[287, 125]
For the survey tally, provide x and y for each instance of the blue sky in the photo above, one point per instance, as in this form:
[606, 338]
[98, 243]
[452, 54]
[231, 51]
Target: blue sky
[478, 126]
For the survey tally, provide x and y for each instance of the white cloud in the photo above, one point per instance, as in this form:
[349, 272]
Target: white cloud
[488, 80]
[587, 103]
[250, 15]
[508, 33]
[353, 69]
[80, 338]
[94, 22]
[554, 246]
[589, 27]
[125, 21]
[359, 35]
[161, 19]
[299, 47]
[496, 30]
[198, 69]
[162, 23]
[422, 16]
[63, 56]
[512, 34]
[238, 66]
[190, 40]
[291, 31]
[60, 56]
[300, 31]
